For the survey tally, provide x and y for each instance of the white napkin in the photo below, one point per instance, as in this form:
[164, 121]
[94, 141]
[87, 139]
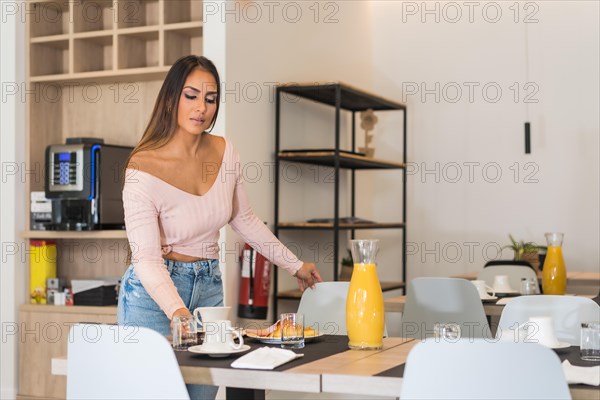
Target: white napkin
[585, 375]
[265, 358]
[505, 300]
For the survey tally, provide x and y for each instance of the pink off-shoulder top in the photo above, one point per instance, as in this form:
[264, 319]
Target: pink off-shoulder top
[161, 218]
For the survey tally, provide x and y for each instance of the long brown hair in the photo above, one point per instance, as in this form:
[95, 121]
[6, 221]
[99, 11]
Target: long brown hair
[163, 121]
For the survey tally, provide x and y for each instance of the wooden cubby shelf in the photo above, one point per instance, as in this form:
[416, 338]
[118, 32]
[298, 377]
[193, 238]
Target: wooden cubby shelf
[139, 12]
[180, 39]
[93, 37]
[183, 11]
[51, 18]
[50, 58]
[93, 54]
[93, 15]
[138, 50]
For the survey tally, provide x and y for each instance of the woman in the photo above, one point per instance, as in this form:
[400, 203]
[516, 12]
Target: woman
[182, 185]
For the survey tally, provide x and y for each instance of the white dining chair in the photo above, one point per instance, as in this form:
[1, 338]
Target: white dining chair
[121, 362]
[482, 369]
[515, 274]
[567, 312]
[443, 300]
[324, 307]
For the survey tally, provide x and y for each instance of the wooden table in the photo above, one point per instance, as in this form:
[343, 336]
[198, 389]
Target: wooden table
[582, 282]
[377, 372]
[588, 280]
[396, 304]
[363, 377]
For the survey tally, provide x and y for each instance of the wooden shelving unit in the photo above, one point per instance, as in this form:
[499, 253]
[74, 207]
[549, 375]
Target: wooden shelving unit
[341, 97]
[295, 294]
[331, 225]
[94, 70]
[110, 35]
[346, 160]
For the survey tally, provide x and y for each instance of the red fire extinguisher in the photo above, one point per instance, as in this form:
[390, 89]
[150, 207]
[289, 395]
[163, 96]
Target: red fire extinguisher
[254, 285]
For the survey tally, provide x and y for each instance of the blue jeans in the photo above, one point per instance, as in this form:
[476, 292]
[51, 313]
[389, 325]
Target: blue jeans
[198, 283]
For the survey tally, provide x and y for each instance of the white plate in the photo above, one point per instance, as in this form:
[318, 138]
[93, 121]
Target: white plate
[268, 340]
[199, 350]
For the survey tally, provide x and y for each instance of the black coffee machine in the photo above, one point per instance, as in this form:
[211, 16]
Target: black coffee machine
[84, 180]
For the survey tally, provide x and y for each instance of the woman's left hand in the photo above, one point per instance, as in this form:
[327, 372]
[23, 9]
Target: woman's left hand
[307, 276]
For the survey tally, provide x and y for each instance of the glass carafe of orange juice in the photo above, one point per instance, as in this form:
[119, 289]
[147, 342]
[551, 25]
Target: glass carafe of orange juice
[554, 274]
[364, 305]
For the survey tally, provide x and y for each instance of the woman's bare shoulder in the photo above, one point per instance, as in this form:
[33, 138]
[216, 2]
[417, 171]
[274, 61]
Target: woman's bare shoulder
[217, 142]
[142, 160]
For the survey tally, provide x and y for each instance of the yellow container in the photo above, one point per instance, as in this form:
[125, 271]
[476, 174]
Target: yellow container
[365, 318]
[42, 265]
[554, 274]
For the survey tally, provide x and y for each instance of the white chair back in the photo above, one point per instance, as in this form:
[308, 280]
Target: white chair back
[324, 307]
[443, 300]
[514, 272]
[481, 369]
[121, 362]
[567, 312]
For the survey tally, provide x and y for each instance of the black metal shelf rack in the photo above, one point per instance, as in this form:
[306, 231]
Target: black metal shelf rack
[342, 97]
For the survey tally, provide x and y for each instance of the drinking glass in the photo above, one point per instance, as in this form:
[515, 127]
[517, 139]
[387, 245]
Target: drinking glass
[590, 341]
[449, 332]
[529, 286]
[292, 330]
[185, 332]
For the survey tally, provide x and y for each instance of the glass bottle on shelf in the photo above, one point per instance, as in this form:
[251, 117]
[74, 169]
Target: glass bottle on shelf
[364, 306]
[554, 274]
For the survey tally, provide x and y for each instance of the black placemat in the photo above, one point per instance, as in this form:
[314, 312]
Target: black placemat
[316, 349]
[569, 353]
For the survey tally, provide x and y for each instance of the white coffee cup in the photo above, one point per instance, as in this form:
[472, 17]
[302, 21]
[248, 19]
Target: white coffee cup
[540, 330]
[483, 289]
[219, 335]
[211, 314]
[501, 284]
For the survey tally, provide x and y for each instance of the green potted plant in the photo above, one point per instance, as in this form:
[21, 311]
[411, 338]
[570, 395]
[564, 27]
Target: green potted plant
[526, 251]
[347, 267]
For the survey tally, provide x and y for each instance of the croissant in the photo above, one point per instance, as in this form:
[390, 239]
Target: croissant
[274, 331]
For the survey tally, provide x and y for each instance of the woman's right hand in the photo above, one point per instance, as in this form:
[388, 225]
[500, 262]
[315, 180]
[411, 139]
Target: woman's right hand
[179, 311]
[307, 276]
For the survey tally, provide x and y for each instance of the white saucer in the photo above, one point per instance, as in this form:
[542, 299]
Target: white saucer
[561, 345]
[212, 353]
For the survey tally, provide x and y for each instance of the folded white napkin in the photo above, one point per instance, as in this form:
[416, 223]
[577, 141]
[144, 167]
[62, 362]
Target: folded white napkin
[265, 358]
[505, 300]
[585, 375]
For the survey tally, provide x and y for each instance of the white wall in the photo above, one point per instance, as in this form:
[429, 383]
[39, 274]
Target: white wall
[287, 45]
[455, 221]
[12, 267]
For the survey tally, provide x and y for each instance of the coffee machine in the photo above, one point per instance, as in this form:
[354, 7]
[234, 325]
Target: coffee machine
[84, 181]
